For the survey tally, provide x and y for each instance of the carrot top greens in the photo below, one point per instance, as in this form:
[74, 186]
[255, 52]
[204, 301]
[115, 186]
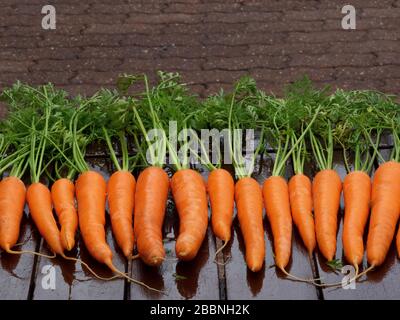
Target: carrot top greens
[45, 131]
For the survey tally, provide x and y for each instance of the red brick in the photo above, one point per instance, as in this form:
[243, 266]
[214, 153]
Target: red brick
[275, 5]
[324, 14]
[160, 40]
[203, 7]
[55, 40]
[38, 31]
[203, 51]
[327, 36]
[204, 28]
[200, 77]
[364, 24]
[366, 46]
[170, 64]
[291, 74]
[356, 3]
[332, 60]
[383, 13]
[118, 52]
[19, 42]
[28, 9]
[37, 2]
[245, 38]
[20, 20]
[95, 77]
[164, 18]
[288, 48]
[389, 58]
[392, 86]
[352, 84]
[280, 26]
[15, 66]
[240, 63]
[124, 29]
[39, 53]
[242, 17]
[93, 43]
[76, 64]
[384, 34]
[365, 73]
[87, 19]
[133, 7]
[38, 77]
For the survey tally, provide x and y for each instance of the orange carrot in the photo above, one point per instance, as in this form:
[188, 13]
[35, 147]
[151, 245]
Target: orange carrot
[249, 203]
[38, 197]
[357, 195]
[121, 191]
[63, 196]
[327, 188]
[150, 198]
[221, 190]
[190, 198]
[12, 202]
[276, 201]
[300, 195]
[385, 211]
[91, 196]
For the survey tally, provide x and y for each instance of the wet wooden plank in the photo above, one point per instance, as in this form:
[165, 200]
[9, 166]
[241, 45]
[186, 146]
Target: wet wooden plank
[269, 283]
[381, 283]
[75, 282]
[16, 270]
[197, 279]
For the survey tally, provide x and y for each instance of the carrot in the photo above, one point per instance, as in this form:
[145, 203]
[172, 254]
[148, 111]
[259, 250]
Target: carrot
[385, 210]
[190, 198]
[276, 201]
[91, 195]
[150, 198]
[301, 203]
[63, 196]
[249, 204]
[327, 188]
[90, 190]
[12, 202]
[357, 195]
[221, 190]
[38, 197]
[120, 191]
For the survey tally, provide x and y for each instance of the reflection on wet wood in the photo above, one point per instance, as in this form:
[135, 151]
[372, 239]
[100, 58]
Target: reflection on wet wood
[21, 276]
[381, 283]
[197, 279]
[269, 283]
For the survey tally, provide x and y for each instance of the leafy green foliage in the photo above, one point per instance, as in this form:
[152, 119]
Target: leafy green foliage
[351, 119]
[335, 264]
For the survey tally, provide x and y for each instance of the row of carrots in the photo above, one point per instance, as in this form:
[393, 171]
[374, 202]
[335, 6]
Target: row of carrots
[46, 129]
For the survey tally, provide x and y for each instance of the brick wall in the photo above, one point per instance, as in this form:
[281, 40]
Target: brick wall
[211, 43]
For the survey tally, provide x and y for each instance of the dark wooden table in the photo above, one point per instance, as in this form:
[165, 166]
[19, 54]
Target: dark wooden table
[21, 276]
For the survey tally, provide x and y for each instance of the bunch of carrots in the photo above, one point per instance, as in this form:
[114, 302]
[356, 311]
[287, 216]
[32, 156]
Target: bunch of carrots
[45, 135]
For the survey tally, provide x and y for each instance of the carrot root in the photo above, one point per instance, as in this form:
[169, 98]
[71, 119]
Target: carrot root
[219, 251]
[10, 251]
[130, 279]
